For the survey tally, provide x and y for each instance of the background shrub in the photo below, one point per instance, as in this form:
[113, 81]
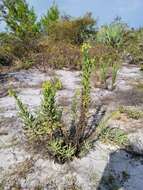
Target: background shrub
[101, 52]
[52, 16]
[6, 50]
[20, 19]
[134, 45]
[74, 31]
[23, 28]
[55, 40]
[106, 65]
[112, 34]
[57, 55]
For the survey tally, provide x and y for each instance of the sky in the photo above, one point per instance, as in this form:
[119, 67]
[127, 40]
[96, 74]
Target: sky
[104, 11]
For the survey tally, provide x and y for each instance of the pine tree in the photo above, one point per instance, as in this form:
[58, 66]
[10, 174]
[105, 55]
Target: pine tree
[51, 17]
[20, 19]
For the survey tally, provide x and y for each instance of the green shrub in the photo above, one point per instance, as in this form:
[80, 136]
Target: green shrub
[112, 34]
[115, 135]
[19, 18]
[47, 118]
[46, 128]
[51, 17]
[23, 28]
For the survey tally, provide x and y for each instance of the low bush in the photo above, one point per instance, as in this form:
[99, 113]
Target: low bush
[14, 53]
[6, 57]
[133, 113]
[47, 129]
[134, 45]
[114, 135]
[104, 72]
[6, 50]
[57, 55]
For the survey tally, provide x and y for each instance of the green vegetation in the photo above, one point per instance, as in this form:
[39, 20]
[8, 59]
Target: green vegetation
[115, 69]
[46, 126]
[133, 45]
[108, 71]
[104, 67]
[20, 19]
[110, 134]
[114, 135]
[50, 18]
[55, 40]
[23, 28]
[133, 113]
[113, 34]
[47, 129]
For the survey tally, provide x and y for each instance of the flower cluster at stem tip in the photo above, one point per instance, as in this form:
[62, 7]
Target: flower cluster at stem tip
[47, 85]
[85, 47]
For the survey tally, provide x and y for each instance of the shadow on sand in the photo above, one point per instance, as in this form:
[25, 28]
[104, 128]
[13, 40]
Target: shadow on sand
[124, 171]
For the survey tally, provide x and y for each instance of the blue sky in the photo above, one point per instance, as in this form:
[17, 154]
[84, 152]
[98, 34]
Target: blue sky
[105, 11]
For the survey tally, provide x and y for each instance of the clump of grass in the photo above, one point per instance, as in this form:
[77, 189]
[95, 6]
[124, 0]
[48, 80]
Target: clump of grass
[131, 112]
[115, 69]
[115, 135]
[110, 134]
[104, 70]
[107, 71]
